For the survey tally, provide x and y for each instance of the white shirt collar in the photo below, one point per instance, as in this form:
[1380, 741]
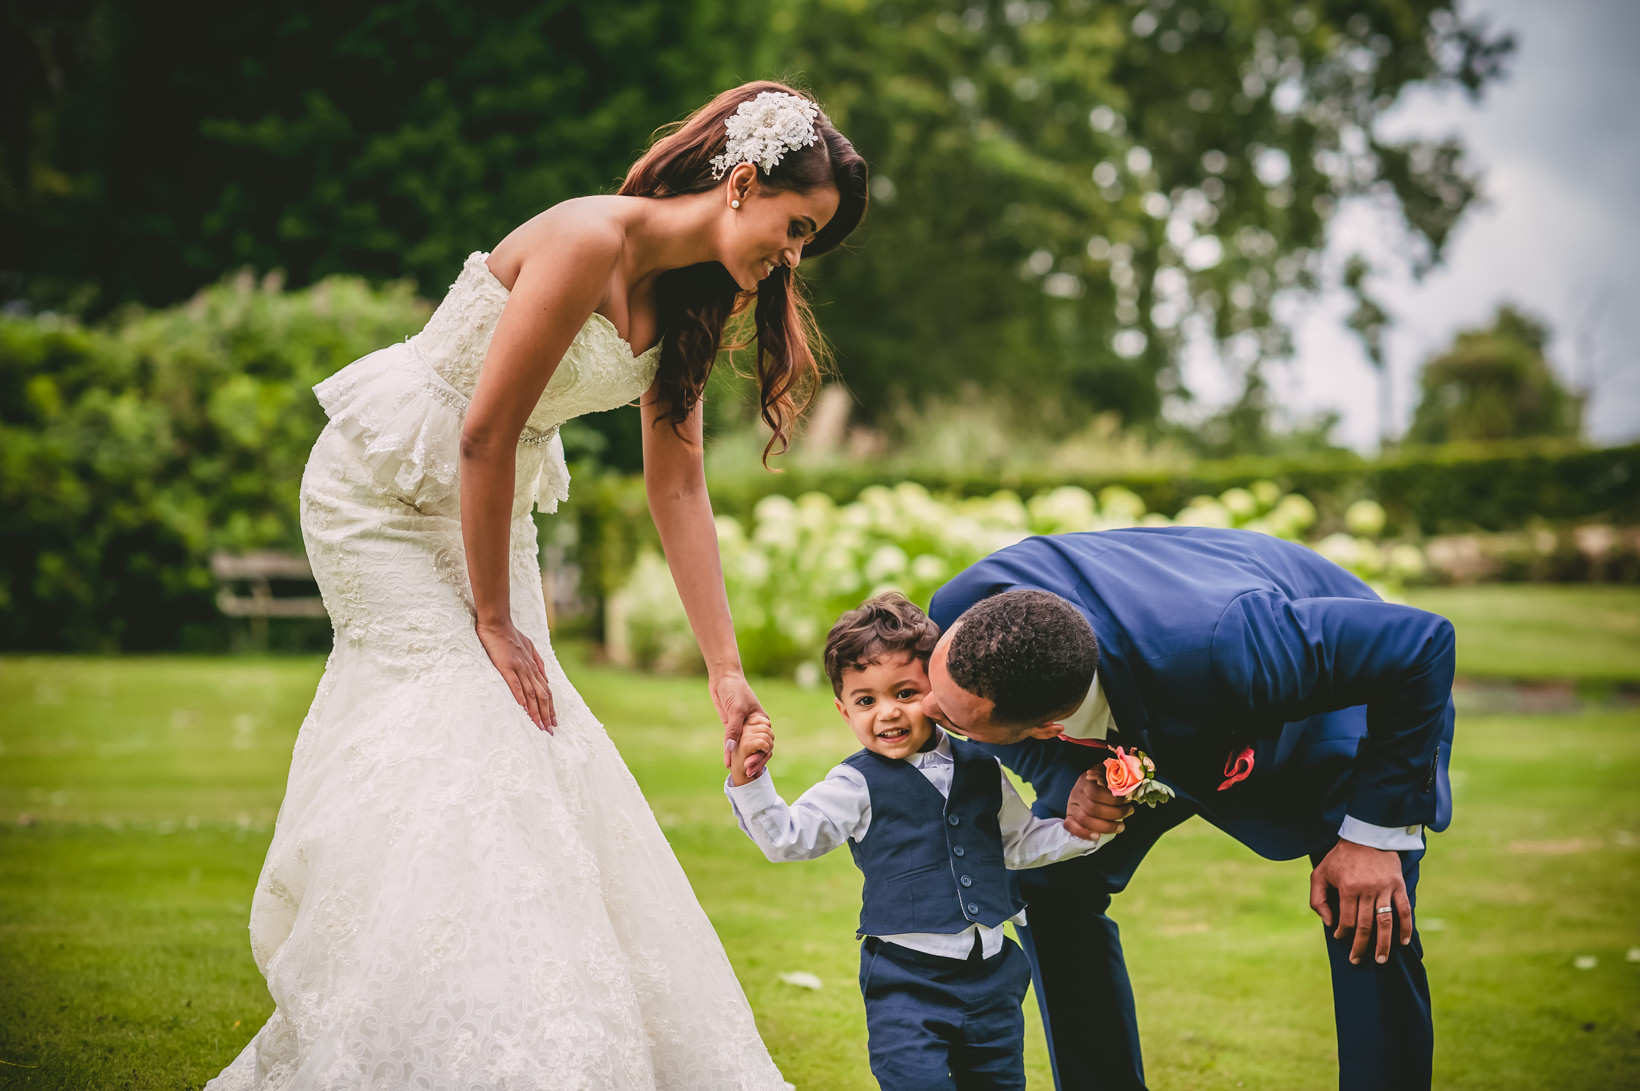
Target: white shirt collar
[1092, 719]
[939, 754]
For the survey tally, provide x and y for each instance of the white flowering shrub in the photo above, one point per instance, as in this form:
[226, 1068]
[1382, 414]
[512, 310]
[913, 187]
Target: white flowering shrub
[800, 563]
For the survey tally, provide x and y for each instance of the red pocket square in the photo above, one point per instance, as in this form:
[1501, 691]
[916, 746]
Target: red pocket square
[1237, 768]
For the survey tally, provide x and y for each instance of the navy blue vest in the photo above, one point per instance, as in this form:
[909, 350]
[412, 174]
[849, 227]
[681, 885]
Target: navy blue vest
[932, 864]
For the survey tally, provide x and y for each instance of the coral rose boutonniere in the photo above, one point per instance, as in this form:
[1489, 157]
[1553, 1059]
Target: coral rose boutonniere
[1131, 775]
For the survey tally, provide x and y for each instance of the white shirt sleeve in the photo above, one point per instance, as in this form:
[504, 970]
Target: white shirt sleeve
[1029, 841]
[1388, 838]
[825, 816]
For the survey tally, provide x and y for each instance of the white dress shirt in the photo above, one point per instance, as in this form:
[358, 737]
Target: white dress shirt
[1093, 720]
[838, 809]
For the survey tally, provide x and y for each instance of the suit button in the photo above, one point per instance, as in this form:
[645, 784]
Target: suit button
[966, 881]
[955, 820]
[972, 908]
[958, 850]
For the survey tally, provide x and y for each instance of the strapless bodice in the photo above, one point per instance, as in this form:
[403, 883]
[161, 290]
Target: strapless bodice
[597, 372]
[405, 404]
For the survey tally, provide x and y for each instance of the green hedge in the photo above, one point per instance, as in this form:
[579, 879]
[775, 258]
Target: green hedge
[129, 452]
[1423, 490]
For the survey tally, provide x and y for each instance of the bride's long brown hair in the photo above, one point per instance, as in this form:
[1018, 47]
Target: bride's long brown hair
[694, 304]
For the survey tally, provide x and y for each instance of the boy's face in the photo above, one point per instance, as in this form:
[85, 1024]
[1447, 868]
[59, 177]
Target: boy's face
[883, 705]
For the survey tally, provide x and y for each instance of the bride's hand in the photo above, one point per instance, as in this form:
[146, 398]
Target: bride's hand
[521, 667]
[736, 703]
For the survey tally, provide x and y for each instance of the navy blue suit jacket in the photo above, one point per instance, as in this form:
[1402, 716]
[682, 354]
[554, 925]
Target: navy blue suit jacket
[1213, 640]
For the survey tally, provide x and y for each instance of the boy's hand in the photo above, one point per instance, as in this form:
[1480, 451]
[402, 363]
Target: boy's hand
[756, 742]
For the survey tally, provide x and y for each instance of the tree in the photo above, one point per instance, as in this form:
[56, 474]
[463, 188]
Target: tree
[150, 148]
[1065, 189]
[1495, 383]
[1254, 425]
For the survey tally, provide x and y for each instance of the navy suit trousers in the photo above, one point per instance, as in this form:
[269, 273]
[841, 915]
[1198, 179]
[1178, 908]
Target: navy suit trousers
[1382, 1012]
[945, 1024]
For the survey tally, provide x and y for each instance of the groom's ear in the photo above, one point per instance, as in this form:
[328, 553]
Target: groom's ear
[1046, 731]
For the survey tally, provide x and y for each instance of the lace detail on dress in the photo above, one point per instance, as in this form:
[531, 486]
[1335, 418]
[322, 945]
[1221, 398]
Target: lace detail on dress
[453, 900]
[405, 403]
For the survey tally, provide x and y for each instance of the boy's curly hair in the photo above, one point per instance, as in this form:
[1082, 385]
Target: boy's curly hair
[886, 624]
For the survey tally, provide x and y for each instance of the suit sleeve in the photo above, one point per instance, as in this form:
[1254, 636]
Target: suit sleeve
[1293, 658]
[967, 587]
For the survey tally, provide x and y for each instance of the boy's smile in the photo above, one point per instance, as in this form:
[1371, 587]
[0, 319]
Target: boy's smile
[883, 705]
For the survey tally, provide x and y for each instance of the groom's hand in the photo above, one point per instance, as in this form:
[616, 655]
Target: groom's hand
[1092, 810]
[1367, 880]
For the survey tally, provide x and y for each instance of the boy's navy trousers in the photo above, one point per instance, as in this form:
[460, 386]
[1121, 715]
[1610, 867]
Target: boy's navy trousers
[945, 1024]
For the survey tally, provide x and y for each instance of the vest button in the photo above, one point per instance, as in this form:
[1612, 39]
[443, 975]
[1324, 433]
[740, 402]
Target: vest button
[966, 881]
[972, 908]
[955, 820]
[958, 850]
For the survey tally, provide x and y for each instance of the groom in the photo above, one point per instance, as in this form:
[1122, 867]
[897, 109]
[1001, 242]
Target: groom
[1278, 697]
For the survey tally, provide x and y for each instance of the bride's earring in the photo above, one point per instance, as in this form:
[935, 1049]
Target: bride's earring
[734, 204]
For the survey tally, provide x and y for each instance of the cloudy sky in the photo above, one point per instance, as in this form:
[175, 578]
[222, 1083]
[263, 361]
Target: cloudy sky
[1559, 142]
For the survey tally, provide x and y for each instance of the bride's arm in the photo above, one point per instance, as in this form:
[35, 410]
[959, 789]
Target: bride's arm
[555, 293]
[674, 473]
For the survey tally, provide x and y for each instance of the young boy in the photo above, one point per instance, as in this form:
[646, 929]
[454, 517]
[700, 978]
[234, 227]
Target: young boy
[935, 826]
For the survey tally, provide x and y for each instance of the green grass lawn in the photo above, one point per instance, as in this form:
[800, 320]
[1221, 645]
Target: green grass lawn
[151, 785]
[1578, 632]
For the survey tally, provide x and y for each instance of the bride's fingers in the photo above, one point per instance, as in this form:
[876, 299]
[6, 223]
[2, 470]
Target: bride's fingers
[543, 688]
[535, 684]
[532, 704]
[547, 707]
[520, 692]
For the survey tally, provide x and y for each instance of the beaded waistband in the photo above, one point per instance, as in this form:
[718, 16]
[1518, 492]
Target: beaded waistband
[436, 386]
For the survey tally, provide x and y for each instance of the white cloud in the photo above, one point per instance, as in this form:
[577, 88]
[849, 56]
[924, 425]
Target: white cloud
[1559, 233]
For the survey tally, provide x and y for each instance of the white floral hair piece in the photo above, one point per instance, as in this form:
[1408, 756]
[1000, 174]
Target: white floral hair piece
[764, 129]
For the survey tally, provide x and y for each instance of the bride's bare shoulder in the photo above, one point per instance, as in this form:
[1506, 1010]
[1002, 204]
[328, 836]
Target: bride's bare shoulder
[584, 229]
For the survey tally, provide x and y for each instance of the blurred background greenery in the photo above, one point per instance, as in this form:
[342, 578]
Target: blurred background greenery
[1067, 196]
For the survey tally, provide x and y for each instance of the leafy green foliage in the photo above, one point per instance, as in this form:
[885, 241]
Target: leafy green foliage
[164, 145]
[1494, 383]
[1417, 492]
[130, 452]
[793, 567]
[1424, 490]
[1065, 189]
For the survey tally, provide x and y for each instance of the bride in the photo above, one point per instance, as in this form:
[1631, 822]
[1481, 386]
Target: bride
[466, 888]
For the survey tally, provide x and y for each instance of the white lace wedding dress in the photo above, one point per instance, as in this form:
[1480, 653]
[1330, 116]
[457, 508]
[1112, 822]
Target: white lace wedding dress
[454, 899]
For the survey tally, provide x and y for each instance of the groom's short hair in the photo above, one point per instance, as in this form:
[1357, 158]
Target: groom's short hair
[1030, 653]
